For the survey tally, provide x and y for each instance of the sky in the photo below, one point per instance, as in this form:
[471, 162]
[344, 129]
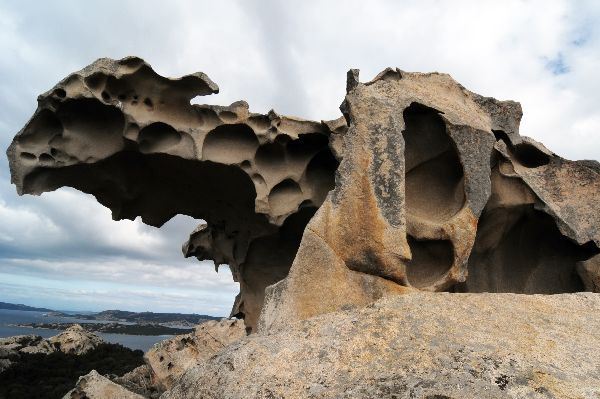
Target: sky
[62, 250]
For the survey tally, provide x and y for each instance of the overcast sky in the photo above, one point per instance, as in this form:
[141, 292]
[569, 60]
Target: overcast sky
[62, 250]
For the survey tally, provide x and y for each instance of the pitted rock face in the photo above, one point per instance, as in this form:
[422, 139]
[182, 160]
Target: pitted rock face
[130, 137]
[421, 185]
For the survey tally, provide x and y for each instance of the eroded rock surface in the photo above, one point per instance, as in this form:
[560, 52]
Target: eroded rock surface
[421, 185]
[75, 340]
[96, 386]
[139, 380]
[169, 359]
[422, 345]
[130, 137]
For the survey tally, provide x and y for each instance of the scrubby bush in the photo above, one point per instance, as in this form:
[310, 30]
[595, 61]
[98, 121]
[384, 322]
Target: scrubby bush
[52, 376]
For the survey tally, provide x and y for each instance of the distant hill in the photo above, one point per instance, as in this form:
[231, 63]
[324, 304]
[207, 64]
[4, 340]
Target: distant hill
[147, 317]
[13, 306]
[122, 315]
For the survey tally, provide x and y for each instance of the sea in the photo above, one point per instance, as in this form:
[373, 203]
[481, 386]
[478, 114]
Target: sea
[9, 317]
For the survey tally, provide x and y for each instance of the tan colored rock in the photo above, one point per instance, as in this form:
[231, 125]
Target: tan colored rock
[422, 345]
[75, 340]
[169, 359]
[96, 386]
[139, 380]
[422, 185]
[118, 130]
[589, 270]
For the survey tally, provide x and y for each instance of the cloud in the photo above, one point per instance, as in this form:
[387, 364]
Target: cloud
[289, 56]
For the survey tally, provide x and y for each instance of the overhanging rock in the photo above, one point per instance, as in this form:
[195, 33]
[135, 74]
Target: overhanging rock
[419, 185]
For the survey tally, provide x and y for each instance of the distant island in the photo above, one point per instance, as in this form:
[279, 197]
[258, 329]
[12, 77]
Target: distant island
[118, 321]
[144, 317]
[174, 319]
[113, 328]
[13, 306]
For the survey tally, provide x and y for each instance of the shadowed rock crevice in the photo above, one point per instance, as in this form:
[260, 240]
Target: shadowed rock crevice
[158, 187]
[521, 250]
[431, 260]
[434, 176]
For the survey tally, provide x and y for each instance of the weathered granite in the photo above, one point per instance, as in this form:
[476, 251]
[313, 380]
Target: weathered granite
[96, 386]
[421, 345]
[169, 359]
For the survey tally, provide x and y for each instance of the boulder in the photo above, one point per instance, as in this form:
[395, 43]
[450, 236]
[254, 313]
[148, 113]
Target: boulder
[75, 340]
[96, 386]
[139, 380]
[419, 345]
[169, 359]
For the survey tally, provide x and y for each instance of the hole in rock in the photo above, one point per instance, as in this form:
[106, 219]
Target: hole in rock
[519, 249]
[44, 126]
[529, 156]
[95, 81]
[319, 176]
[245, 165]
[260, 122]
[431, 260]
[28, 156]
[285, 197]
[434, 186]
[270, 158]
[307, 145]
[90, 121]
[131, 62]
[61, 93]
[269, 260]
[158, 137]
[228, 116]
[230, 144]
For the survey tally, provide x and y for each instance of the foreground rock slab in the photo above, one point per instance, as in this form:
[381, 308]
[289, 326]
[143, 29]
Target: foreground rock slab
[95, 386]
[421, 345]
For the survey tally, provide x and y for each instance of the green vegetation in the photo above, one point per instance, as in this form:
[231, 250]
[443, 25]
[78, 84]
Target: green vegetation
[52, 376]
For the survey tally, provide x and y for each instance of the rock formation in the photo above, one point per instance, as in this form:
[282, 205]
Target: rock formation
[421, 185]
[169, 359]
[422, 346]
[74, 340]
[96, 386]
[131, 138]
